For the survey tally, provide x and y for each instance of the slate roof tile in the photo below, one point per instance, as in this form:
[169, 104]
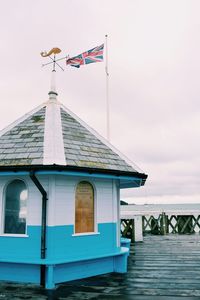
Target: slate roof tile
[89, 151]
[20, 144]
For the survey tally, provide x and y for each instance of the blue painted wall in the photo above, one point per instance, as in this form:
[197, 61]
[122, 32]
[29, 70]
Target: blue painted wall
[21, 247]
[87, 255]
[71, 271]
[20, 272]
[61, 244]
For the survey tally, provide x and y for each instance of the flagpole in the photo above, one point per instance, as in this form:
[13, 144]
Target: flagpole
[107, 91]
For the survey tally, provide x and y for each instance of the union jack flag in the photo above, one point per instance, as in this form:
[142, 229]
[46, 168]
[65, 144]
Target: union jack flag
[88, 57]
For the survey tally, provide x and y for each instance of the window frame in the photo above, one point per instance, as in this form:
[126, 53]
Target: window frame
[95, 210]
[2, 233]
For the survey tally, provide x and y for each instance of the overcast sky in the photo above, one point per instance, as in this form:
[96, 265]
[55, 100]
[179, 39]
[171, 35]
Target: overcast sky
[154, 64]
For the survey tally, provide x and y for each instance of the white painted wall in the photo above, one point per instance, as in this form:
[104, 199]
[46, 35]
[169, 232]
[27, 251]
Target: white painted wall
[64, 208]
[61, 199]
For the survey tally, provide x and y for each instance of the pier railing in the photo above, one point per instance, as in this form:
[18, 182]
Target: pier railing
[139, 220]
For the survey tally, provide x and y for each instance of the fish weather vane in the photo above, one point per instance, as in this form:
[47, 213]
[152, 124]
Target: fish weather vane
[53, 51]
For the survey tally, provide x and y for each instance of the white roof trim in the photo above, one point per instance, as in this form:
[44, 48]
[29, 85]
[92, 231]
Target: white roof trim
[101, 138]
[53, 136]
[21, 119]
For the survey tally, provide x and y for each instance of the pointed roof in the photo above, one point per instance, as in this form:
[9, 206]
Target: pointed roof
[51, 135]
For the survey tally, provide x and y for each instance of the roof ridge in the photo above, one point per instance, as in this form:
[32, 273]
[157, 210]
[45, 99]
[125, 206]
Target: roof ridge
[101, 138]
[21, 119]
[53, 136]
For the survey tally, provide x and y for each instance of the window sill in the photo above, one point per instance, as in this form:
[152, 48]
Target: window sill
[14, 235]
[85, 233]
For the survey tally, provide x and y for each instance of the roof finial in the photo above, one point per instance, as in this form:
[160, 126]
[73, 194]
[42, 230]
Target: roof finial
[52, 93]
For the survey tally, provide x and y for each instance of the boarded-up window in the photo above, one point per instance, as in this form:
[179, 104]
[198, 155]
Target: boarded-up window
[84, 215]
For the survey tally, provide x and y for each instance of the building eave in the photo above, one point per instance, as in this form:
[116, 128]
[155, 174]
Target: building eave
[127, 179]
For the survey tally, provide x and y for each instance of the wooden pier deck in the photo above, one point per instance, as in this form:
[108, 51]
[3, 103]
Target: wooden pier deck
[161, 267]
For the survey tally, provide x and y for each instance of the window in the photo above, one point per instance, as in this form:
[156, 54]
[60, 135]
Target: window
[84, 208]
[15, 207]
